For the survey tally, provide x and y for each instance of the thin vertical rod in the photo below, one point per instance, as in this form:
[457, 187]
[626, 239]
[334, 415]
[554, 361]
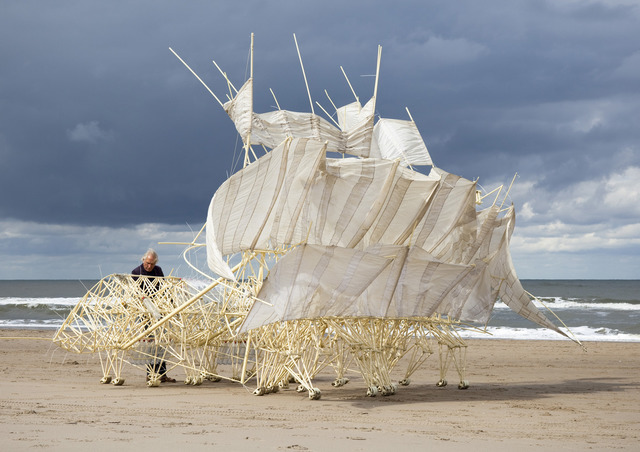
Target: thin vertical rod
[303, 73]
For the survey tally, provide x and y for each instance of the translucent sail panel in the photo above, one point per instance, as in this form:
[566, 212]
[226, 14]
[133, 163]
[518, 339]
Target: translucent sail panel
[429, 286]
[506, 281]
[265, 195]
[355, 203]
[475, 241]
[345, 200]
[472, 237]
[405, 206]
[490, 244]
[240, 110]
[513, 295]
[272, 128]
[452, 207]
[399, 139]
[487, 237]
[354, 116]
[384, 281]
[356, 123]
[293, 195]
[485, 246]
[315, 281]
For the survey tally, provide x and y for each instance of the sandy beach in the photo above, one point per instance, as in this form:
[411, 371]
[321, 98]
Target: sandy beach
[524, 395]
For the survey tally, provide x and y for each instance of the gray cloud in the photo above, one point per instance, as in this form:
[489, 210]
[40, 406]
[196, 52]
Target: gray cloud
[89, 132]
[101, 126]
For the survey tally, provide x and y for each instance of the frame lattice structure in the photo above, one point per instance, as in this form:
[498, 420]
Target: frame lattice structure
[365, 264]
[142, 321]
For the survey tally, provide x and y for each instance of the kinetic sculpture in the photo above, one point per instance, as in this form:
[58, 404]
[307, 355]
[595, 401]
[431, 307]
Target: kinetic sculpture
[352, 261]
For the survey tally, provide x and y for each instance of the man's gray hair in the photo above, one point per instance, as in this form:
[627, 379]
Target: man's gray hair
[151, 253]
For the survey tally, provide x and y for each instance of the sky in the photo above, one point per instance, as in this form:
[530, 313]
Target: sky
[109, 145]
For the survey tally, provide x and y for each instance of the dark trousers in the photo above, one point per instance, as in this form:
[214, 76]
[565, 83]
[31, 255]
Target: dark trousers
[159, 367]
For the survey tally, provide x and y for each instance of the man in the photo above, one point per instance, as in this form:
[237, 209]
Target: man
[148, 266]
[150, 269]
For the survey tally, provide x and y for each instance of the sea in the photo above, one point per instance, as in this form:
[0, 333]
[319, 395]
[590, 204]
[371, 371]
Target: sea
[592, 310]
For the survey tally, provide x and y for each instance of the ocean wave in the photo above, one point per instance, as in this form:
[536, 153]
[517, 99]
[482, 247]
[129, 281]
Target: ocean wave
[578, 304]
[53, 324]
[551, 302]
[35, 302]
[582, 333]
[611, 320]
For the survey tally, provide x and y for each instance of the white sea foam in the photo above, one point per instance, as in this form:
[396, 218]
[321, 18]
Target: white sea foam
[33, 302]
[577, 303]
[28, 323]
[582, 333]
[34, 312]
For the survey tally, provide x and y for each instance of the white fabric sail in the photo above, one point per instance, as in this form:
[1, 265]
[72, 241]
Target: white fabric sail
[458, 261]
[452, 205]
[378, 239]
[294, 194]
[253, 202]
[399, 139]
[382, 281]
[509, 287]
[315, 281]
[272, 128]
[345, 200]
[407, 202]
[356, 123]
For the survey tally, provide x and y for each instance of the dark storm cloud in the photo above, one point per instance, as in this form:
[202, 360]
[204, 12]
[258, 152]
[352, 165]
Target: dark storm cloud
[101, 125]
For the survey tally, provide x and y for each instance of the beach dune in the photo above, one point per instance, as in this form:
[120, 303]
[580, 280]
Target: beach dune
[524, 395]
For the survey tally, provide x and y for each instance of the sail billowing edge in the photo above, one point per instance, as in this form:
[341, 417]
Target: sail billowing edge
[353, 208]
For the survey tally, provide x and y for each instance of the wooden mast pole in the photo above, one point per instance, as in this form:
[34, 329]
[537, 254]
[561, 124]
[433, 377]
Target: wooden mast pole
[375, 88]
[507, 193]
[247, 145]
[303, 74]
[196, 75]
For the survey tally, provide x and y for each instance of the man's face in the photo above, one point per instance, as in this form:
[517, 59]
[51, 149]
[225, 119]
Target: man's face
[148, 263]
